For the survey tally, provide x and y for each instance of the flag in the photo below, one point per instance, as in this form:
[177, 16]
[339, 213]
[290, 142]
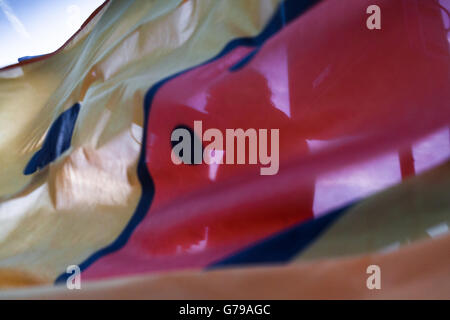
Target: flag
[356, 172]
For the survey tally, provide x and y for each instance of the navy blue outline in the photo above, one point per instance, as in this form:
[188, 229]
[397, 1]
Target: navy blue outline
[292, 241]
[57, 140]
[244, 61]
[287, 11]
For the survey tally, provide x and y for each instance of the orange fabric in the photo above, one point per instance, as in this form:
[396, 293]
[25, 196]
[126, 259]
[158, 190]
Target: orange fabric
[419, 271]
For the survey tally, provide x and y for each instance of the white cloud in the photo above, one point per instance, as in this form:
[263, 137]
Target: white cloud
[13, 19]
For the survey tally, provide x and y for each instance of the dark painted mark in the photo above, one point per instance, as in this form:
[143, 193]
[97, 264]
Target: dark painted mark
[56, 141]
[197, 142]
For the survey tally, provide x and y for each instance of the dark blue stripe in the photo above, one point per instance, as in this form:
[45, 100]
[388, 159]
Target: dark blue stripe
[56, 142]
[25, 58]
[292, 9]
[244, 61]
[282, 246]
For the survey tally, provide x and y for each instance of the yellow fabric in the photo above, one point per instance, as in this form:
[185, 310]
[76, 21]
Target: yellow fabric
[397, 216]
[58, 217]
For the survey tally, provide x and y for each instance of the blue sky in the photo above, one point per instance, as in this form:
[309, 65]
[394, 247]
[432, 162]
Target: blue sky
[34, 27]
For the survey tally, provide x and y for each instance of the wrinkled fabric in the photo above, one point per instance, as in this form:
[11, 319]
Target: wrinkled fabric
[360, 113]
